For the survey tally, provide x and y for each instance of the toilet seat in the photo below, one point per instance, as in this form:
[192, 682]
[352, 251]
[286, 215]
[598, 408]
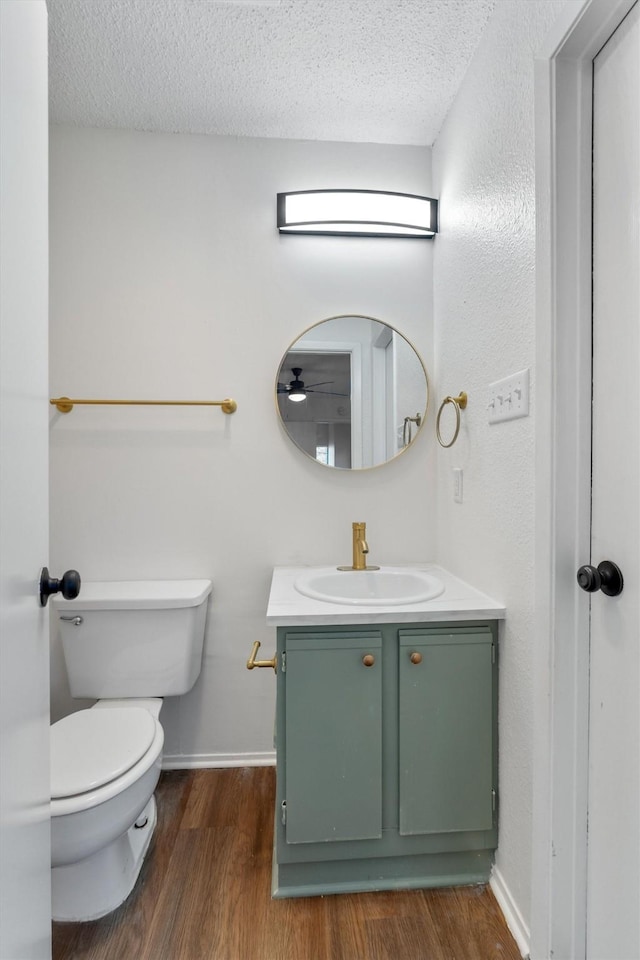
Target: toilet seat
[91, 748]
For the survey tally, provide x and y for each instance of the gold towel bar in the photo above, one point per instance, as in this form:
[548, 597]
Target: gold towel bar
[65, 405]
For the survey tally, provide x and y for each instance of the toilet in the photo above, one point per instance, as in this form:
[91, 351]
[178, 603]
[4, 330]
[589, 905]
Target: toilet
[127, 644]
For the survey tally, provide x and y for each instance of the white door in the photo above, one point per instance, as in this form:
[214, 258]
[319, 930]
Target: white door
[613, 855]
[25, 899]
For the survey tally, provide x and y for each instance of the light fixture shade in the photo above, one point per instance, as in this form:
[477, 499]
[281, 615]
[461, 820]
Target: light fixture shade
[357, 213]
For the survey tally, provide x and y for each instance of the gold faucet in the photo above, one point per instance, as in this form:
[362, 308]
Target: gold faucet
[360, 548]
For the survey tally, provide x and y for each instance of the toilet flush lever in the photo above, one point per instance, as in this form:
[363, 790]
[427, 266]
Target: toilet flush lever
[76, 621]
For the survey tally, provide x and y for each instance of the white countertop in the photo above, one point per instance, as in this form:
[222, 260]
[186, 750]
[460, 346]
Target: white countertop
[459, 601]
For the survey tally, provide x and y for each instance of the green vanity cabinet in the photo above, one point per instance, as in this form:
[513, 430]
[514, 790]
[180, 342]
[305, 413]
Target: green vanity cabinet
[386, 740]
[445, 728]
[333, 735]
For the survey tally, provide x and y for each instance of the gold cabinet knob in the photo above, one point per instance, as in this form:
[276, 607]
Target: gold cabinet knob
[416, 657]
[368, 660]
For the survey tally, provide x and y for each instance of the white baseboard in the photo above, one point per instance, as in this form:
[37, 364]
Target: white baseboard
[204, 760]
[512, 915]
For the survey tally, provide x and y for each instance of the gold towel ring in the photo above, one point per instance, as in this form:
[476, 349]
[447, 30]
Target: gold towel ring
[459, 403]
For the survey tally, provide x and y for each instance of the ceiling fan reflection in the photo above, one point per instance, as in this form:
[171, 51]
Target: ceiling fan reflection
[297, 391]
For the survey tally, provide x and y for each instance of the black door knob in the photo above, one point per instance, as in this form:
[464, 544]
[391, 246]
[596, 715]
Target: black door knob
[68, 586]
[606, 577]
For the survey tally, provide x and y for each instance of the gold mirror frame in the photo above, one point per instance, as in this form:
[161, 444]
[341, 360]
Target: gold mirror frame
[372, 430]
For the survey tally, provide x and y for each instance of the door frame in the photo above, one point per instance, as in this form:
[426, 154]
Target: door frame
[563, 112]
[354, 349]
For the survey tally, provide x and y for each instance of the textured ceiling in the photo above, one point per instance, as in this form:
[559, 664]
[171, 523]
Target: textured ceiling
[382, 71]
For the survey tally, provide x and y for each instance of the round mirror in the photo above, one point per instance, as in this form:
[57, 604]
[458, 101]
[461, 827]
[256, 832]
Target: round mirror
[352, 392]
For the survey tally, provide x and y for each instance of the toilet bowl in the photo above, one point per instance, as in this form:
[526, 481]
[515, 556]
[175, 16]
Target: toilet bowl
[105, 764]
[106, 761]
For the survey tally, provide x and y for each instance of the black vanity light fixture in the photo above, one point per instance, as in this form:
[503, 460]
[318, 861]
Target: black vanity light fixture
[357, 213]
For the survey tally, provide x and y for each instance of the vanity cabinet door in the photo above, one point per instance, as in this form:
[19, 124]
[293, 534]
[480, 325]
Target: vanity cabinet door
[333, 736]
[446, 730]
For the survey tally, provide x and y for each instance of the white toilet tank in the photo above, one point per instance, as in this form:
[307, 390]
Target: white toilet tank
[136, 638]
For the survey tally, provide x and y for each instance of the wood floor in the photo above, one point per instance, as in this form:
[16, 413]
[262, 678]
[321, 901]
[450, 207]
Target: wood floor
[204, 894]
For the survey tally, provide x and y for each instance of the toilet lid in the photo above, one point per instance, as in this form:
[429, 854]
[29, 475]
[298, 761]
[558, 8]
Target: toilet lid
[93, 747]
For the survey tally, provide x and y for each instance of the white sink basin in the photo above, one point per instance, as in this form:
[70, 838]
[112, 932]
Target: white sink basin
[388, 586]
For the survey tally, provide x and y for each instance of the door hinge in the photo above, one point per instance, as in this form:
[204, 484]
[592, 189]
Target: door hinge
[494, 800]
[283, 814]
[283, 662]
[493, 653]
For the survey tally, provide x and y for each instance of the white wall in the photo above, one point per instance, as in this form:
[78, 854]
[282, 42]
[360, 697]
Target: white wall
[169, 280]
[484, 304]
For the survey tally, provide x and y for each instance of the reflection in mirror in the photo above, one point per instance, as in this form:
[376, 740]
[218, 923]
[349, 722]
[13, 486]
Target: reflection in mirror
[352, 392]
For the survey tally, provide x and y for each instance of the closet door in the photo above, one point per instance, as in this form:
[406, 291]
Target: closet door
[613, 851]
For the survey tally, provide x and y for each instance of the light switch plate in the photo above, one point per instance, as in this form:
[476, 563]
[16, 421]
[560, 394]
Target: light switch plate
[509, 398]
